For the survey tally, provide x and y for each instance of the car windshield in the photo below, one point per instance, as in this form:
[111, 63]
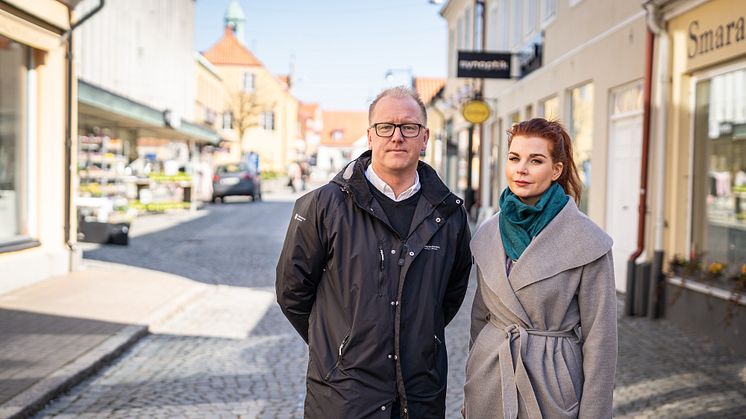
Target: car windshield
[233, 168]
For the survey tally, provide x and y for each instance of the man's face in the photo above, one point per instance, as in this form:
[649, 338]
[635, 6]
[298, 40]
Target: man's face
[396, 155]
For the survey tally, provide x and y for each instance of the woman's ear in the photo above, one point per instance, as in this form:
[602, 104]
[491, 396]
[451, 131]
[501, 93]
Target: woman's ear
[557, 170]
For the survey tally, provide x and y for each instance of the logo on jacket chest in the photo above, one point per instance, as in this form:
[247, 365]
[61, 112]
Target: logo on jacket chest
[432, 247]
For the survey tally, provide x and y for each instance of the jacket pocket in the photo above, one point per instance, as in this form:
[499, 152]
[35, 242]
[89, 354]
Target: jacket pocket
[569, 395]
[340, 351]
[434, 354]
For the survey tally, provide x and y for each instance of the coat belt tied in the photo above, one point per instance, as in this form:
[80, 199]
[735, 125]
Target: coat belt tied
[514, 378]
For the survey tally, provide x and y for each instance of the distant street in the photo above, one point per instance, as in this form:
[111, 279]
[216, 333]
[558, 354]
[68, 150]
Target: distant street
[231, 353]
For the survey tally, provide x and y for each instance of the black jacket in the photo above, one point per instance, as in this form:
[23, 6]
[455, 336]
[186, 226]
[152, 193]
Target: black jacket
[373, 308]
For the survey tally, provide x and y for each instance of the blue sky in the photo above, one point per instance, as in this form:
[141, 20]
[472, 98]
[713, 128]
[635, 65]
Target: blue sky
[340, 49]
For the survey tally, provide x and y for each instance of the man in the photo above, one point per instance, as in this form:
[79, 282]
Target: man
[375, 264]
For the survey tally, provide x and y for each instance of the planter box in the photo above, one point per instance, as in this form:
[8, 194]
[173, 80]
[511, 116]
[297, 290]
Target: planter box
[701, 309]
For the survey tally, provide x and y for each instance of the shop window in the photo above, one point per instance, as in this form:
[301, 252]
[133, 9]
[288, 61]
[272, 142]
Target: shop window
[550, 108]
[581, 131]
[14, 67]
[719, 181]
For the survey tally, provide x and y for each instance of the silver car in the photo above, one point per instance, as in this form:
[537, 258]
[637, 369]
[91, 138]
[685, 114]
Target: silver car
[236, 179]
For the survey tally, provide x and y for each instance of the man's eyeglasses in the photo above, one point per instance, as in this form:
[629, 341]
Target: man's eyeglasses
[385, 129]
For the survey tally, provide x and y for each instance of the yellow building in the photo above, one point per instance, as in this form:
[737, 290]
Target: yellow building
[259, 107]
[698, 164]
[37, 112]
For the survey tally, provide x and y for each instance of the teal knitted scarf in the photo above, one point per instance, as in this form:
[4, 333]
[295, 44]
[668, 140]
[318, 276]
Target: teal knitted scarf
[520, 223]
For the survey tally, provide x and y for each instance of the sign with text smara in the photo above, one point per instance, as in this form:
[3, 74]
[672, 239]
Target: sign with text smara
[483, 65]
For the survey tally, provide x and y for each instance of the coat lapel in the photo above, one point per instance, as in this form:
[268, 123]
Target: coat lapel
[487, 248]
[570, 240]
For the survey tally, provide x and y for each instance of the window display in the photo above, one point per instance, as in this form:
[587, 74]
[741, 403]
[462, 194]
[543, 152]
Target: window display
[13, 189]
[719, 182]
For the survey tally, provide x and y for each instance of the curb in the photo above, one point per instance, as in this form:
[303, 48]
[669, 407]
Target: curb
[35, 397]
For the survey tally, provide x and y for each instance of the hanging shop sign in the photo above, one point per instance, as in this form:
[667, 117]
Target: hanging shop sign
[476, 111]
[483, 65]
[530, 57]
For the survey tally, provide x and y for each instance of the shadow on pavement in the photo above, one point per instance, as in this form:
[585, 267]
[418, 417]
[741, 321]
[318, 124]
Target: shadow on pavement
[34, 345]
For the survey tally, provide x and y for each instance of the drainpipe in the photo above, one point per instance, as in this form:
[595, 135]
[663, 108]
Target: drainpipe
[634, 284]
[657, 279]
[67, 39]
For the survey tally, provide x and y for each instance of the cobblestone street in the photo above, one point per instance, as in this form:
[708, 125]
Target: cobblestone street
[231, 353]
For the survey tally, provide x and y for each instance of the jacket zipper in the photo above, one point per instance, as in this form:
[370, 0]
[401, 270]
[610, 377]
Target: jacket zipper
[380, 271]
[339, 356]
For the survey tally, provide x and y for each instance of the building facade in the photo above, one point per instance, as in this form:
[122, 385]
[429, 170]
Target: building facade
[259, 107]
[589, 77]
[698, 165]
[138, 145]
[36, 239]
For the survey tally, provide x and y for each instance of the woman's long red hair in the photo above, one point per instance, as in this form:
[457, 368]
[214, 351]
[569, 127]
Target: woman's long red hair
[560, 150]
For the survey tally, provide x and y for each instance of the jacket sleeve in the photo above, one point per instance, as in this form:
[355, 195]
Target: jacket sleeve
[598, 320]
[459, 278]
[301, 263]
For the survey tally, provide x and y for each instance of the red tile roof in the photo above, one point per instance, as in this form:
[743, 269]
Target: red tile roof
[307, 110]
[228, 50]
[427, 87]
[349, 125]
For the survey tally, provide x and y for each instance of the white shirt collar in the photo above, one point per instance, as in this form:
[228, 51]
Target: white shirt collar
[385, 189]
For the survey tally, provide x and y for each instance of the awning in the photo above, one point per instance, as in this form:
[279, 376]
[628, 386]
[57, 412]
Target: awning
[98, 106]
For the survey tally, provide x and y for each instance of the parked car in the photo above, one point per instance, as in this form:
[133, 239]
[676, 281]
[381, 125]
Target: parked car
[236, 180]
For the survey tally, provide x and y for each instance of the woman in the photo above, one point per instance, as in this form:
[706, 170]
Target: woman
[543, 325]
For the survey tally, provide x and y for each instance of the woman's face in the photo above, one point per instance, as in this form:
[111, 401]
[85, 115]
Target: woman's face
[529, 169]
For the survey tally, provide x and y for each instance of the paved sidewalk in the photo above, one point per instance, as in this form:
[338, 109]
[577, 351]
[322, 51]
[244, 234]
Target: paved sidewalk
[56, 332]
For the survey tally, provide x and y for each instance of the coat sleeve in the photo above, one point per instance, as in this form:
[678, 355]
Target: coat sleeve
[478, 311]
[301, 263]
[458, 281]
[598, 320]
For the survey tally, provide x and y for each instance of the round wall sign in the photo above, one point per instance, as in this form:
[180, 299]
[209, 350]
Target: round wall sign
[476, 111]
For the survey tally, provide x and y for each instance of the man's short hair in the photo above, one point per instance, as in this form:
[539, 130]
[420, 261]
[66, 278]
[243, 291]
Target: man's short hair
[398, 91]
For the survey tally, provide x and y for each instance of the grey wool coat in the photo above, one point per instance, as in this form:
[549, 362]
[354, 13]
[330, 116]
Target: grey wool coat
[544, 339]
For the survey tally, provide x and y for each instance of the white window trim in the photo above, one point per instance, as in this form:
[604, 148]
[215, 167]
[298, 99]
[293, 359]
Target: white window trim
[529, 27]
[546, 19]
[31, 147]
[516, 20]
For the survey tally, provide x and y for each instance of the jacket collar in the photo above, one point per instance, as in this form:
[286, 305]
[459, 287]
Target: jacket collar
[571, 239]
[352, 179]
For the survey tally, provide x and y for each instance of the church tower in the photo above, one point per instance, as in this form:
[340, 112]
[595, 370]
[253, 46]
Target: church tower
[236, 20]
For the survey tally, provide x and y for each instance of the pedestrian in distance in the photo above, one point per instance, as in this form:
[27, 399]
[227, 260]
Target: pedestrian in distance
[543, 324]
[375, 264]
[294, 175]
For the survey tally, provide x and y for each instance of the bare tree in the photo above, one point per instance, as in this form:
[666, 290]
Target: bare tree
[245, 109]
